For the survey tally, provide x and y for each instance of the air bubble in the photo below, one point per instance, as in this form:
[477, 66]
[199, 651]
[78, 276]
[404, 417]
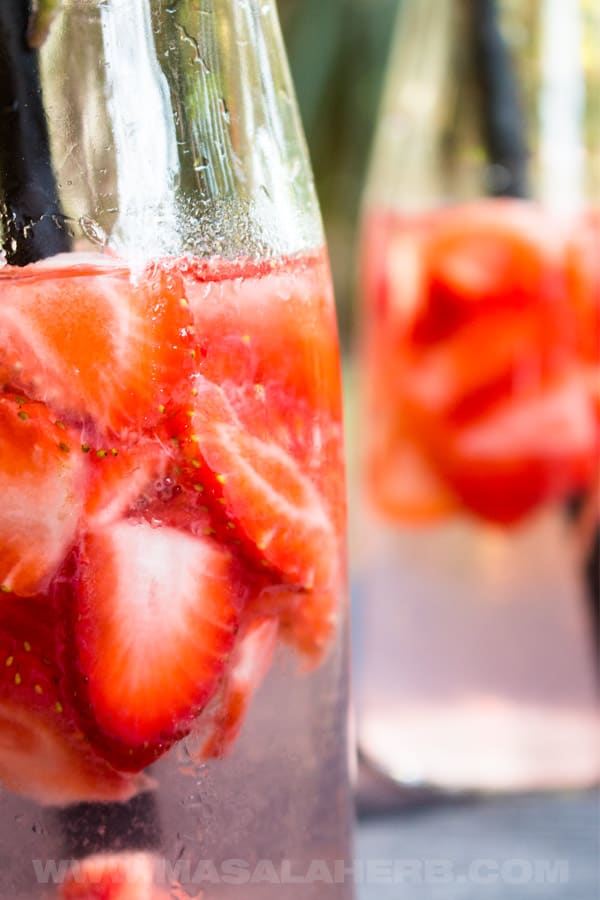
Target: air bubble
[166, 488]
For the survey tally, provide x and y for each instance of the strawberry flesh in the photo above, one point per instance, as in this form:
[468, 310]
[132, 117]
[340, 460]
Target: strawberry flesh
[119, 476]
[220, 725]
[43, 754]
[94, 343]
[507, 463]
[309, 621]
[257, 492]
[41, 485]
[153, 622]
[267, 322]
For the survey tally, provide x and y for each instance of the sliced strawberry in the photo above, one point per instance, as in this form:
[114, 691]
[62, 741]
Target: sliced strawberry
[41, 485]
[257, 493]
[502, 253]
[583, 270]
[484, 402]
[402, 483]
[394, 264]
[165, 502]
[505, 464]
[111, 876]
[219, 726]
[43, 755]
[503, 354]
[51, 763]
[310, 619]
[268, 323]
[154, 622]
[312, 439]
[95, 341]
[120, 476]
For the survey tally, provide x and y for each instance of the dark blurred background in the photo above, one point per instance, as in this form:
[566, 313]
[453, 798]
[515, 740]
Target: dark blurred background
[338, 51]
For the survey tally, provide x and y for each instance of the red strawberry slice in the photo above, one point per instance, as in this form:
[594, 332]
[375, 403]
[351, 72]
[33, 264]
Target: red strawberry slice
[310, 621]
[154, 622]
[503, 354]
[111, 876]
[120, 476]
[313, 439]
[95, 341]
[165, 502]
[523, 454]
[51, 763]
[583, 271]
[394, 271]
[220, 725]
[267, 323]
[257, 492]
[43, 755]
[502, 252]
[402, 483]
[42, 476]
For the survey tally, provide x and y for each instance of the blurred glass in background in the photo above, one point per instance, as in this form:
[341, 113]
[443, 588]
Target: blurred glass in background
[475, 551]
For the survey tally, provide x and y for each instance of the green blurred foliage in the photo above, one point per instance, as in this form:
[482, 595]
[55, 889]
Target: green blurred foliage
[338, 50]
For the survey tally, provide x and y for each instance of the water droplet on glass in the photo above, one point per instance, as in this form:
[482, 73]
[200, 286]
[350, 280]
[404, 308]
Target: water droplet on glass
[93, 231]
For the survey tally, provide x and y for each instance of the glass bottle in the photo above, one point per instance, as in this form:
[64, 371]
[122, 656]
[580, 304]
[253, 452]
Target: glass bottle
[173, 701]
[480, 353]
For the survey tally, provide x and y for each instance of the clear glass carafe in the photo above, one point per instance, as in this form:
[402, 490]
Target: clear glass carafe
[173, 702]
[477, 563]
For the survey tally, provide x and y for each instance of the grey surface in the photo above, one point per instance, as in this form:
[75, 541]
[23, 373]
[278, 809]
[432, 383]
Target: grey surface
[511, 848]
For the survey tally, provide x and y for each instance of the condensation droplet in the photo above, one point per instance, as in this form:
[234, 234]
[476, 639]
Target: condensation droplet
[93, 231]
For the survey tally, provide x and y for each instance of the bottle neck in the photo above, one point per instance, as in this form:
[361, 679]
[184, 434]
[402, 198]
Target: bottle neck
[173, 128]
[490, 98]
